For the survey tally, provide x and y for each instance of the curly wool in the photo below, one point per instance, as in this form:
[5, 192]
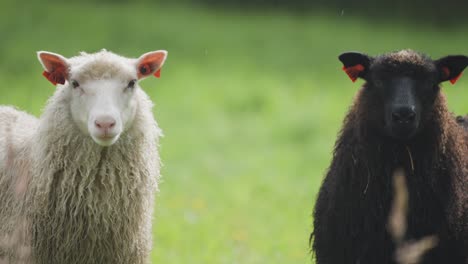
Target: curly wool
[86, 203]
[351, 211]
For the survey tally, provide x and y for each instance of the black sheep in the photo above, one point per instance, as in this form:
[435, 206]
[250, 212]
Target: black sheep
[399, 119]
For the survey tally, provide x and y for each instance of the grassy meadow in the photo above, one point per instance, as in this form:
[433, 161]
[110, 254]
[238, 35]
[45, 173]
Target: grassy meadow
[250, 104]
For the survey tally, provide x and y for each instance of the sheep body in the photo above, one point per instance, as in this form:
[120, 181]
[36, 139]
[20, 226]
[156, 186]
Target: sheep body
[98, 200]
[82, 203]
[16, 129]
[16, 132]
[354, 201]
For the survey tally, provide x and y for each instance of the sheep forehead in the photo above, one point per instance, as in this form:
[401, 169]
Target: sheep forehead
[102, 65]
[406, 62]
[407, 56]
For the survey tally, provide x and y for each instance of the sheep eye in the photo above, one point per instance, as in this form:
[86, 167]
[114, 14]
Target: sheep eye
[131, 84]
[75, 84]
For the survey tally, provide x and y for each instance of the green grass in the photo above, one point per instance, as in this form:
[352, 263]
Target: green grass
[250, 104]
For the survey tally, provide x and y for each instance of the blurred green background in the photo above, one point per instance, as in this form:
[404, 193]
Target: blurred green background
[250, 100]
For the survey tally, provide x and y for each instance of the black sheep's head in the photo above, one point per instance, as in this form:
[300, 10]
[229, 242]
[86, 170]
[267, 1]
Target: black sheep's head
[402, 85]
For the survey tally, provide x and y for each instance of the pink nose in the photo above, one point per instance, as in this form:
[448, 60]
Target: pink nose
[105, 123]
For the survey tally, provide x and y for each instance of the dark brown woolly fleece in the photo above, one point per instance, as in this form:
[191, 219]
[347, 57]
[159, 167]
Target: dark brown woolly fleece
[463, 120]
[354, 201]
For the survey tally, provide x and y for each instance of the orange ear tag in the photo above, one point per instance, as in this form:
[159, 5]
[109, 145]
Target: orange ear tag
[157, 74]
[57, 76]
[455, 79]
[354, 71]
[447, 74]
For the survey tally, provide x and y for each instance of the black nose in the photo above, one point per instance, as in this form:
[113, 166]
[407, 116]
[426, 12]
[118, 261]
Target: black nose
[403, 114]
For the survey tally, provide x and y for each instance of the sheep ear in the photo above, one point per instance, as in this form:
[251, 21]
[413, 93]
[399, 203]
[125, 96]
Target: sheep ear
[451, 67]
[55, 67]
[355, 64]
[151, 63]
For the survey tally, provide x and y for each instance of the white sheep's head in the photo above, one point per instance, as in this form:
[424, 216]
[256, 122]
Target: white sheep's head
[101, 88]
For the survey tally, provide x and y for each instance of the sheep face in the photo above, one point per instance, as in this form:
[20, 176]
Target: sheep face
[103, 108]
[401, 87]
[101, 89]
[403, 99]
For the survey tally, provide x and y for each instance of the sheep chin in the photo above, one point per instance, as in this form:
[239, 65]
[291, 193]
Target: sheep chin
[106, 142]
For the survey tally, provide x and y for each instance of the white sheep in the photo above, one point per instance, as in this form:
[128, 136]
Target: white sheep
[77, 185]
